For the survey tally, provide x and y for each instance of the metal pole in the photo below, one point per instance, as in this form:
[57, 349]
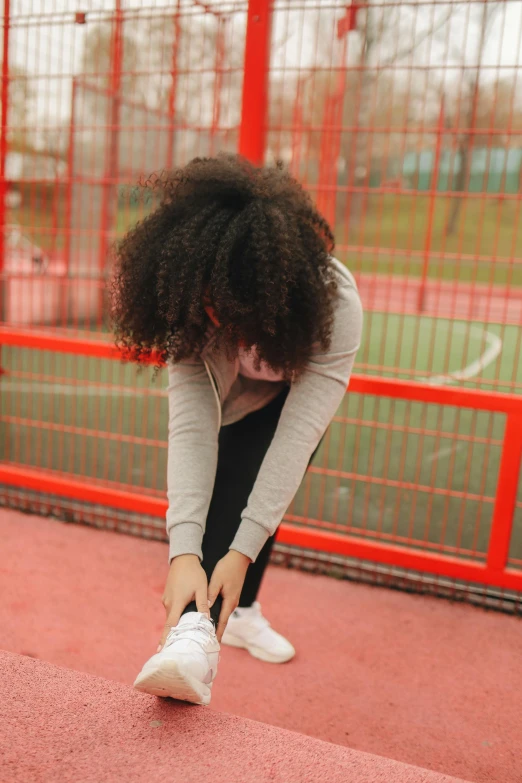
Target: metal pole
[173, 87]
[297, 123]
[218, 82]
[506, 496]
[421, 300]
[252, 133]
[69, 206]
[338, 115]
[3, 152]
[111, 161]
[327, 161]
[331, 143]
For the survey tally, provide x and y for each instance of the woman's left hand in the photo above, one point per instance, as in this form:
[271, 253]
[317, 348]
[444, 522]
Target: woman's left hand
[227, 579]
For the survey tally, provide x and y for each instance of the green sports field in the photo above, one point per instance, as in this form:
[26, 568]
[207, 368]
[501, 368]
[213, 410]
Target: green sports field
[392, 233]
[486, 246]
[401, 470]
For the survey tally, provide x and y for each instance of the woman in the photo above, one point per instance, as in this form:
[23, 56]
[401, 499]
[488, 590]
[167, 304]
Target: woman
[232, 281]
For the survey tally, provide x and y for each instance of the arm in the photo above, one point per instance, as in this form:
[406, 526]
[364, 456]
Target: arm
[308, 410]
[192, 455]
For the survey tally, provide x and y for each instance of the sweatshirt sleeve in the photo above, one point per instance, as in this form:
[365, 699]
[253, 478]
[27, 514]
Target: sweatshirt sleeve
[308, 410]
[192, 455]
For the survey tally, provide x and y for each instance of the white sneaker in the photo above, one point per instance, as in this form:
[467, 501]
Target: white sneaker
[247, 628]
[186, 666]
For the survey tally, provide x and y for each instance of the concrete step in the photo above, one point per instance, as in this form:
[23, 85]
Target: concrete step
[59, 725]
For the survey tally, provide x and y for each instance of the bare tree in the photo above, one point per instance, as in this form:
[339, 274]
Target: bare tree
[189, 71]
[21, 95]
[370, 93]
[471, 101]
[96, 65]
[380, 31]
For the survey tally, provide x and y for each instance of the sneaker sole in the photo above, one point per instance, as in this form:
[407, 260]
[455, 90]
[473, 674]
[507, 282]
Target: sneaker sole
[168, 681]
[255, 652]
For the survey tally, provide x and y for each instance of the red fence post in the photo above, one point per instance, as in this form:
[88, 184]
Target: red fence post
[252, 132]
[494, 572]
[331, 140]
[173, 87]
[3, 148]
[110, 192]
[65, 291]
[507, 487]
[218, 82]
[421, 297]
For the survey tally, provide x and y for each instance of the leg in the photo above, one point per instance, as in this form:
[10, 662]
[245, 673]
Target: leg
[256, 570]
[242, 448]
[255, 574]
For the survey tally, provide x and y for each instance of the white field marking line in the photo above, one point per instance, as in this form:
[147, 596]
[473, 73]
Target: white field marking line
[490, 354]
[446, 452]
[493, 350]
[71, 391]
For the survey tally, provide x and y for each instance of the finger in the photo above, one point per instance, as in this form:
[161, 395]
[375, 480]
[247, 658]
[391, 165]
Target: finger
[172, 620]
[202, 600]
[226, 610]
[214, 590]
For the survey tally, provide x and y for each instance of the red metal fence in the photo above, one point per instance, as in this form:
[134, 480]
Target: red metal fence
[404, 121]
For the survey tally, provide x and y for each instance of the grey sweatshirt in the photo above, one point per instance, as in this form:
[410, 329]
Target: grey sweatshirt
[207, 392]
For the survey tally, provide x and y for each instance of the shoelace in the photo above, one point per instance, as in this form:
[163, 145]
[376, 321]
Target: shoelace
[180, 631]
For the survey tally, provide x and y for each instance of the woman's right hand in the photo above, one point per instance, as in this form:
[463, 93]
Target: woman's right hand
[186, 582]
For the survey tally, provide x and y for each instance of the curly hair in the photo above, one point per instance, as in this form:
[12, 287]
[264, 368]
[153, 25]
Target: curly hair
[249, 241]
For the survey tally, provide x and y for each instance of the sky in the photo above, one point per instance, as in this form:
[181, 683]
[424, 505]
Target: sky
[47, 44]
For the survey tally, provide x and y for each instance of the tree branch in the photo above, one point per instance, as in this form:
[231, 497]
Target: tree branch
[415, 45]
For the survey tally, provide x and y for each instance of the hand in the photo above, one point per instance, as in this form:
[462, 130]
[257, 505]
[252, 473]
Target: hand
[186, 581]
[227, 579]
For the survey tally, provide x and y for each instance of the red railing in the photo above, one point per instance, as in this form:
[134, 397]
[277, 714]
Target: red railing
[346, 94]
[493, 572]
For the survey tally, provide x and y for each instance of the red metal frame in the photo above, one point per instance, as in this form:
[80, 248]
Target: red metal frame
[69, 198]
[331, 139]
[3, 143]
[431, 210]
[399, 274]
[498, 550]
[494, 572]
[255, 85]
[510, 404]
[173, 86]
[218, 68]
[111, 163]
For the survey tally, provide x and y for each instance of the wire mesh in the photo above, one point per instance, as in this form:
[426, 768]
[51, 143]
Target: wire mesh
[99, 101]
[403, 119]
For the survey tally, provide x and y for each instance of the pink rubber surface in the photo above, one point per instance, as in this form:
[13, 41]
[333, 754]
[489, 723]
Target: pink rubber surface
[60, 725]
[421, 680]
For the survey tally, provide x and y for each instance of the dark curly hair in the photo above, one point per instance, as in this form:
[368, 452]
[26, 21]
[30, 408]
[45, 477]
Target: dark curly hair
[246, 239]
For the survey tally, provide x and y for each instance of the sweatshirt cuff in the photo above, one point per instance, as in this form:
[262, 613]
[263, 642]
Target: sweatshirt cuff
[250, 539]
[185, 539]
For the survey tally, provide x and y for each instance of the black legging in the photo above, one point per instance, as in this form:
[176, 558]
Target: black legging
[242, 447]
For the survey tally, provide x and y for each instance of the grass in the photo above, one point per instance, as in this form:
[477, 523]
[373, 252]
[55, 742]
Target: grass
[395, 227]
[391, 228]
[105, 421]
